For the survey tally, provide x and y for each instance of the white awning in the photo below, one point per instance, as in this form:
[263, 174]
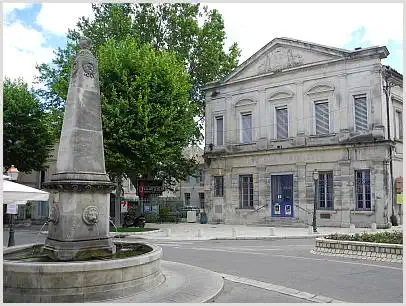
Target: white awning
[14, 193]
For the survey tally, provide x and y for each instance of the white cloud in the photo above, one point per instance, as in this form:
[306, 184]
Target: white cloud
[23, 48]
[9, 7]
[57, 18]
[254, 25]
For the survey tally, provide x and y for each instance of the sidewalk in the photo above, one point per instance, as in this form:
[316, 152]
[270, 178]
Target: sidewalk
[197, 231]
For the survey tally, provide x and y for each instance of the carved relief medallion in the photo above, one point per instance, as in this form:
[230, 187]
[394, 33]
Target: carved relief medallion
[88, 69]
[91, 215]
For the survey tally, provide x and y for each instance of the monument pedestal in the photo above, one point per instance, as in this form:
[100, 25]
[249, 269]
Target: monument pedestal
[78, 223]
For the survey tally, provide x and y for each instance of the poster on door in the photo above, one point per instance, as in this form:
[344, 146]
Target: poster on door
[277, 209]
[288, 210]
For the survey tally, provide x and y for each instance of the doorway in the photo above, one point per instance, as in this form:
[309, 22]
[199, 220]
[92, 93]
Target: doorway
[282, 195]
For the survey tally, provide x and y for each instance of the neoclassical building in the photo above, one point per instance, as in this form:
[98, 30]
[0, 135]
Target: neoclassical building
[298, 120]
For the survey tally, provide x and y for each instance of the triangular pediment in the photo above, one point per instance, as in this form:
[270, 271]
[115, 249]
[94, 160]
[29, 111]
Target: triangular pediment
[283, 53]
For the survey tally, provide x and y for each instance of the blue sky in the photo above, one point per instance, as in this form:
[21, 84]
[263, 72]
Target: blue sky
[33, 31]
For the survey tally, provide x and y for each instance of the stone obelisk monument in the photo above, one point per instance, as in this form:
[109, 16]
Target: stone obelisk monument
[79, 222]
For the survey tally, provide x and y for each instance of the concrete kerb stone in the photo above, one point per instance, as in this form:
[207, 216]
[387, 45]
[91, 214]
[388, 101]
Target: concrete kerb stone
[269, 238]
[281, 289]
[183, 283]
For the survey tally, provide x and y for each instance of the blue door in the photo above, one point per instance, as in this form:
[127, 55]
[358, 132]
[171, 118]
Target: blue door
[282, 195]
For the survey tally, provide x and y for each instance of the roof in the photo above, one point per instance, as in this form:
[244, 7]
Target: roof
[381, 50]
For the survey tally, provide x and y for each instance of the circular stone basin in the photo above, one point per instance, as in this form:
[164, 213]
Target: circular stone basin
[29, 277]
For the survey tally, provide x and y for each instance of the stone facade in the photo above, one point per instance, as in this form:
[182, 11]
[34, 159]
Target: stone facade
[294, 76]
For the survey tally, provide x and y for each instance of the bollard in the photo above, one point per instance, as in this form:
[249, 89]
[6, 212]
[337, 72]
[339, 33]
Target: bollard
[352, 228]
[271, 232]
[310, 228]
[233, 232]
[373, 227]
[199, 233]
[167, 232]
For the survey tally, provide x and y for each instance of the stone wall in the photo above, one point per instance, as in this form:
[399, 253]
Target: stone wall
[301, 162]
[335, 81]
[359, 249]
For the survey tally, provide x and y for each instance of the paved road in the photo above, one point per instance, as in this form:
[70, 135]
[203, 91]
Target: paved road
[285, 263]
[289, 263]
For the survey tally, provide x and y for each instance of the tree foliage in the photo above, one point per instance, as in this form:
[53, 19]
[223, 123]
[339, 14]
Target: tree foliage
[141, 135]
[147, 116]
[194, 34]
[27, 139]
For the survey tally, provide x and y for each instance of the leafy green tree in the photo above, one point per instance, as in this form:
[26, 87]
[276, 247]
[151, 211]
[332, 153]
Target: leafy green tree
[194, 36]
[27, 139]
[171, 27]
[147, 116]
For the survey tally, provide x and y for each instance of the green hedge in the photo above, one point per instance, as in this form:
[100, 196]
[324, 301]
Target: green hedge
[393, 237]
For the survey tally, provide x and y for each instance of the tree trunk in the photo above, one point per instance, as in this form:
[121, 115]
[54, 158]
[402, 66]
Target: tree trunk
[117, 208]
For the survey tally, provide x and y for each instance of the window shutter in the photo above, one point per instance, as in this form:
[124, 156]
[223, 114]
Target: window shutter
[282, 123]
[322, 118]
[219, 135]
[361, 113]
[246, 128]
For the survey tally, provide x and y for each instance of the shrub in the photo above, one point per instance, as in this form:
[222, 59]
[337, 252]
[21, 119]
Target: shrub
[151, 217]
[393, 237]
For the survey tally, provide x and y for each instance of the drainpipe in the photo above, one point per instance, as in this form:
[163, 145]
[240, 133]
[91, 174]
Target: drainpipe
[386, 89]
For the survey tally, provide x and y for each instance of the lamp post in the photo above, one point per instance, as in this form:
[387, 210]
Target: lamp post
[315, 179]
[12, 172]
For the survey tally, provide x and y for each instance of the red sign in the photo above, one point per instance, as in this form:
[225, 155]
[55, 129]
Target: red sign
[141, 190]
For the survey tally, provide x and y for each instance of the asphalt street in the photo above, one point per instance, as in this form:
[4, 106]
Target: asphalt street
[286, 262]
[289, 263]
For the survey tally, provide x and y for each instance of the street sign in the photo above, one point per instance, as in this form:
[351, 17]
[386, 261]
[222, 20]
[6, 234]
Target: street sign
[146, 187]
[124, 206]
[12, 209]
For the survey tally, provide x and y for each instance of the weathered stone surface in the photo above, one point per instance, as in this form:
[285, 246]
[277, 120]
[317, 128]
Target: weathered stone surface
[303, 151]
[84, 281]
[80, 220]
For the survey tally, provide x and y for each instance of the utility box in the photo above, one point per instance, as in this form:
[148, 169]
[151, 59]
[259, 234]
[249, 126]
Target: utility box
[191, 216]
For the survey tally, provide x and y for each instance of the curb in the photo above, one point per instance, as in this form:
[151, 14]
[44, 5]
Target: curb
[216, 295]
[135, 233]
[269, 238]
[281, 289]
[174, 238]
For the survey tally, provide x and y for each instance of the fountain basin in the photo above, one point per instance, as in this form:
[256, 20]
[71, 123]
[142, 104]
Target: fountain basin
[79, 281]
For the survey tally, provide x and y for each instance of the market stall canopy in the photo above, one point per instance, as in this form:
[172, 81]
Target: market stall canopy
[14, 193]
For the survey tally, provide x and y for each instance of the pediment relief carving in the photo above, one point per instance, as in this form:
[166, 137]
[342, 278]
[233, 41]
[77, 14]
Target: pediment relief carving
[320, 88]
[278, 59]
[280, 95]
